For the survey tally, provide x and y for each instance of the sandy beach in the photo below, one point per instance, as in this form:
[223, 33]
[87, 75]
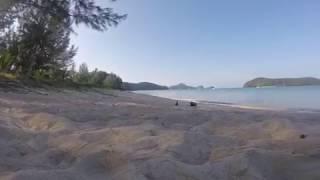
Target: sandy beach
[113, 135]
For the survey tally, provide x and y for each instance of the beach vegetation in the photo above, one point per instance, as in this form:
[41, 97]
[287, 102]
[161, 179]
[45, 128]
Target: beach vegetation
[35, 39]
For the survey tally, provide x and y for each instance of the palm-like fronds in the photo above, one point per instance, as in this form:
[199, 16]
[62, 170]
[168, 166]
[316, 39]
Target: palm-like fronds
[6, 62]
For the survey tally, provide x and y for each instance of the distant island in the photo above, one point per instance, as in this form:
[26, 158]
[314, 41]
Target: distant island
[267, 82]
[142, 86]
[183, 86]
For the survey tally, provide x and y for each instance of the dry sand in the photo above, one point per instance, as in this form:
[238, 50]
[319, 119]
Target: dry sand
[70, 135]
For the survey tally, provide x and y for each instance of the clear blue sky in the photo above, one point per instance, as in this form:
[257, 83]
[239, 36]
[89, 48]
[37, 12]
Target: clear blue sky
[210, 42]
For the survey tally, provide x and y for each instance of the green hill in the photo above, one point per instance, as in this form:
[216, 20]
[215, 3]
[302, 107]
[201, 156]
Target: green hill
[181, 86]
[265, 82]
[142, 86]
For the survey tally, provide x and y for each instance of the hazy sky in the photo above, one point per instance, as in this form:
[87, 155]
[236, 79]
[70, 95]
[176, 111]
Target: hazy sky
[211, 42]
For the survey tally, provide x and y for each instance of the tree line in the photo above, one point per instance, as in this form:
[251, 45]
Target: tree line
[96, 78]
[35, 39]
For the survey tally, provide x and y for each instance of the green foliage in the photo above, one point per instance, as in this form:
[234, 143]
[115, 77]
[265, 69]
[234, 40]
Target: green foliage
[112, 81]
[83, 75]
[44, 43]
[35, 39]
[267, 82]
[6, 62]
[85, 12]
[97, 78]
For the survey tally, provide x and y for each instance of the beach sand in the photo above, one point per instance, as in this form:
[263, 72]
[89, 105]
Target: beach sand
[111, 135]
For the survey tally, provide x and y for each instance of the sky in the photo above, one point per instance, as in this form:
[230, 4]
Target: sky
[221, 43]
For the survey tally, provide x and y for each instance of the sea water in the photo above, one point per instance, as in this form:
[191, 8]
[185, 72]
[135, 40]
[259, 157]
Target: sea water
[303, 97]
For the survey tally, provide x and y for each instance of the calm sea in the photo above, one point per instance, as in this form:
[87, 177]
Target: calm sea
[304, 97]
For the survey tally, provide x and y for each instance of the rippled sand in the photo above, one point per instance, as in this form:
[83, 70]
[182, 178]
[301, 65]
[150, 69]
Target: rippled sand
[103, 135]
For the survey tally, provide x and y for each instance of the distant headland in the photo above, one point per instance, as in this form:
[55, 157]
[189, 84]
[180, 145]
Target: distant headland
[267, 82]
[183, 86]
[142, 86]
[152, 86]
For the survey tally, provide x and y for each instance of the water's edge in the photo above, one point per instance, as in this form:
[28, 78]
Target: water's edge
[282, 99]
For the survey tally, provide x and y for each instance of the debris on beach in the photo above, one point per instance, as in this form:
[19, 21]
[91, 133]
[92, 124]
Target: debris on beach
[303, 136]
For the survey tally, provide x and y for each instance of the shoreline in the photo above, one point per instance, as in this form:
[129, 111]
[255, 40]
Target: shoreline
[235, 105]
[225, 104]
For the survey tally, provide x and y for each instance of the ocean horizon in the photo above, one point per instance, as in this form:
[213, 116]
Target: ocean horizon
[294, 97]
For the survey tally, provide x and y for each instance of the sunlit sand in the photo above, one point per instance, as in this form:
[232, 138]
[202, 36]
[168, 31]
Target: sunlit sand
[121, 135]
